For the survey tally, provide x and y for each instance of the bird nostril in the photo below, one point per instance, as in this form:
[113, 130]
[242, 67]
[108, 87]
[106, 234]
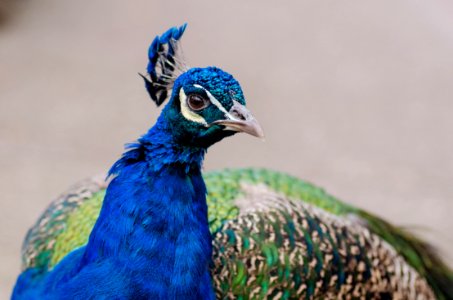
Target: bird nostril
[237, 114]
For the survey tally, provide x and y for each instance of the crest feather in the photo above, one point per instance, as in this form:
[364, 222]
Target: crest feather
[165, 64]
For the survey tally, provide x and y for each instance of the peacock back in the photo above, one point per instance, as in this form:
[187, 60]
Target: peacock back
[274, 237]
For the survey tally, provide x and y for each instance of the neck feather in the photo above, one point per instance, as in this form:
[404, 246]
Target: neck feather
[154, 215]
[160, 150]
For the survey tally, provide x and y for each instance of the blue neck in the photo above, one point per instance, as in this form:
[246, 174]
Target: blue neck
[160, 150]
[154, 219]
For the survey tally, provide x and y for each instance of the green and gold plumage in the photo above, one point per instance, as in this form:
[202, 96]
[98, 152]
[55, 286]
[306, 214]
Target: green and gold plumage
[274, 236]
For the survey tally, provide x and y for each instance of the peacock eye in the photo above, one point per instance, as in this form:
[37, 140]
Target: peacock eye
[197, 102]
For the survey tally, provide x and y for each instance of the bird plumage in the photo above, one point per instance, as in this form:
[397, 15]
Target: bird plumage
[277, 206]
[160, 230]
[164, 64]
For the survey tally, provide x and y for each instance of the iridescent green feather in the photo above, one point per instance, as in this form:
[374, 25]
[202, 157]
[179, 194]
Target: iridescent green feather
[419, 255]
[79, 225]
[68, 221]
[66, 225]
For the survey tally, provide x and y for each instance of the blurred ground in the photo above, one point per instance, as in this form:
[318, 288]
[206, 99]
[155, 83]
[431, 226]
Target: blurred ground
[354, 96]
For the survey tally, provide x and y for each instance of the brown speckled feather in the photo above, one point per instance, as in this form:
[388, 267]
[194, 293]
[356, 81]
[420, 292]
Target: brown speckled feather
[274, 237]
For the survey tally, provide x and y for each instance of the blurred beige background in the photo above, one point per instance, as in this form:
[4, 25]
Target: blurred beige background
[354, 96]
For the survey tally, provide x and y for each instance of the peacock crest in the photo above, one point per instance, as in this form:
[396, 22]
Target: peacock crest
[165, 64]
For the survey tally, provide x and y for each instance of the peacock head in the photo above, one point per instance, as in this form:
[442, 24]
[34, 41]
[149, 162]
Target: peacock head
[205, 104]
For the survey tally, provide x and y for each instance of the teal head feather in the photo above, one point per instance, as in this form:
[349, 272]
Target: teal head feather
[206, 104]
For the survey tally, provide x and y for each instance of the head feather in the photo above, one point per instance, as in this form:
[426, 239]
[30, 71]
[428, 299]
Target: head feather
[165, 64]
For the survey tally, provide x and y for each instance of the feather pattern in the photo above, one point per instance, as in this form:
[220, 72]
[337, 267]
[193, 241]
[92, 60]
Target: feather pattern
[274, 236]
[165, 64]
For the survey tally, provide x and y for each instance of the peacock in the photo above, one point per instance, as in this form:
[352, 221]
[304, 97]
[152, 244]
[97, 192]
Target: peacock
[157, 228]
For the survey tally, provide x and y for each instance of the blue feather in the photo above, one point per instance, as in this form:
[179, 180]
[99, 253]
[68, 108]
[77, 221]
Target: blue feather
[151, 239]
[162, 53]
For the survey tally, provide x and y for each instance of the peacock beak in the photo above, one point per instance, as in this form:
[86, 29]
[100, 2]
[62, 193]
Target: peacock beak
[240, 119]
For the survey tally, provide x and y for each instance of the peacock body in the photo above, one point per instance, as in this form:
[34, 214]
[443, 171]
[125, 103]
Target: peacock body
[159, 230]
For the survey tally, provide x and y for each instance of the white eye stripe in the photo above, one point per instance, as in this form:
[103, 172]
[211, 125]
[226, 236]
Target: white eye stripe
[215, 102]
[187, 112]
